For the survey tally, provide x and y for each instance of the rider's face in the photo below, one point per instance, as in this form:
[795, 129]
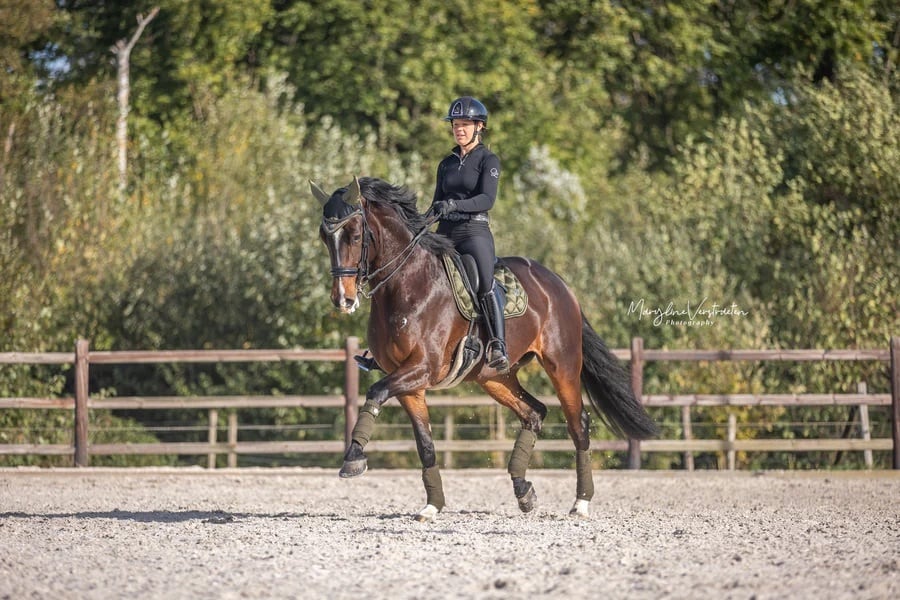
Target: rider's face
[464, 130]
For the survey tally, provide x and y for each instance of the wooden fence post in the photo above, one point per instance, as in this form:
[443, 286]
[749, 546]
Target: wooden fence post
[449, 429]
[213, 434]
[732, 437]
[351, 389]
[232, 439]
[895, 398]
[688, 435]
[865, 430]
[637, 386]
[499, 457]
[82, 458]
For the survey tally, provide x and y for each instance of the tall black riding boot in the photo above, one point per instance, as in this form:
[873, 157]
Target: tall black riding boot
[493, 313]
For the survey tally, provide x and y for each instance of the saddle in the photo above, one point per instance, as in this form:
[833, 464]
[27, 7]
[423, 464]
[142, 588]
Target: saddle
[463, 276]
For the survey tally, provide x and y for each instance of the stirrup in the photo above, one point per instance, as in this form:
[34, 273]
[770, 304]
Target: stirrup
[367, 363]
[497, 357]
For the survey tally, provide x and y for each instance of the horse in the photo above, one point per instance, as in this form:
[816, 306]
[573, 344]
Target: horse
[381, 247]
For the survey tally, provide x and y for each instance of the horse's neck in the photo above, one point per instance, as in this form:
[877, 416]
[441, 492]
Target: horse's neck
[407, 266]
[395, 242]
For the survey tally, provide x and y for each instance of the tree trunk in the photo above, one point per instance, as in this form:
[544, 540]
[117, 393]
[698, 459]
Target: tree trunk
[122, 50]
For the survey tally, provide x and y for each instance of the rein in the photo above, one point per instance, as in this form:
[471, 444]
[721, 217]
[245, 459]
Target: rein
[362, 269]
[403, 256]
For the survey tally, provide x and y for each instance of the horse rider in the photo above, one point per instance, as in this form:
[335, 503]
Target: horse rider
[465, 191]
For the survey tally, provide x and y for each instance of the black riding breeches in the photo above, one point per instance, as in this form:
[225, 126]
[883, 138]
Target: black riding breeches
[474, 238]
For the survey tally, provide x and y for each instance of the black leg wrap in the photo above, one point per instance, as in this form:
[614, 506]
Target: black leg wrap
[525, 494]
[520, 486]
[434, 487]
[354, 452]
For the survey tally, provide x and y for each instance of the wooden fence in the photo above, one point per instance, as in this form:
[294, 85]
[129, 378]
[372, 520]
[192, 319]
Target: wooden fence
[350, 401]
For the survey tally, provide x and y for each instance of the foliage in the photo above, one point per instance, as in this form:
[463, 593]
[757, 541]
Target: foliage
[702, 154]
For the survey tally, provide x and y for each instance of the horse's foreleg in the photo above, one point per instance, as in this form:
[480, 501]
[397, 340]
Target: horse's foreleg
[415, 407]
[355, 461]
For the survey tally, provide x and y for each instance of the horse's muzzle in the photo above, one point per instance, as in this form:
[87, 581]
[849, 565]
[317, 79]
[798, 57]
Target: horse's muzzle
[344, 295]
[348, 305]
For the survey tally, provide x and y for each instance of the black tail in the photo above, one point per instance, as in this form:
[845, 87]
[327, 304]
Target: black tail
[608, 387]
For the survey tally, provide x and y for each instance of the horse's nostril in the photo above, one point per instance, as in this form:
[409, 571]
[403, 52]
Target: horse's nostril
[349, 305]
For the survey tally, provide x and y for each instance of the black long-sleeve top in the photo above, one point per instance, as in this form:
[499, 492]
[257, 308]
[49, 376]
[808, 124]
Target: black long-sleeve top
[471, 180]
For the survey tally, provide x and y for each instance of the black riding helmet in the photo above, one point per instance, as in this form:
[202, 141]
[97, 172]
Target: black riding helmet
[467, 107]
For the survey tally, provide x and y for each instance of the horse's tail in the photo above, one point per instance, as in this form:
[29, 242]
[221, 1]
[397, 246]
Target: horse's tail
[608, 387]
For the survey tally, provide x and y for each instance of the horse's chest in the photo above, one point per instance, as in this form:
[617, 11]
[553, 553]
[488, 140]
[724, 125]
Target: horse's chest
[398, 322]
[392, 325]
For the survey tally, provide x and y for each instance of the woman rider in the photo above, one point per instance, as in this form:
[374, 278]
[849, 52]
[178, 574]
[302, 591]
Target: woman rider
[466, 189]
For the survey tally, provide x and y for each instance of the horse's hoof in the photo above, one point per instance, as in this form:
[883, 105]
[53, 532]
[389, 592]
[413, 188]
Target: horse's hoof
[353, 468]
[427, 514]
[580, 510]
[528, 500]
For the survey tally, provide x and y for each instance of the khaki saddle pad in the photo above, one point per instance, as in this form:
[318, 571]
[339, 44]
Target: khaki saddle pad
[516, 298]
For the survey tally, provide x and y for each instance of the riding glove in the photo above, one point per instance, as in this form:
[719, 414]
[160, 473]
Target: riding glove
[442, 208]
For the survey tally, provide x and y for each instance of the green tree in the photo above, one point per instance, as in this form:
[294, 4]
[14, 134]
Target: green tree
[23, 24]
[392, 68]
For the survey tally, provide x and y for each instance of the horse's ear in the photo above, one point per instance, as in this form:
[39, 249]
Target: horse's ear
[353, 193]
[318, 192]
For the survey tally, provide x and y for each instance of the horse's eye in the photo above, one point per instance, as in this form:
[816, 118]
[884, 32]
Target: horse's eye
[356, 238]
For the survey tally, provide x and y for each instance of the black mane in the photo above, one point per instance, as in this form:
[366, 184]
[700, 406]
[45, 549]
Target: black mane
[378, 191]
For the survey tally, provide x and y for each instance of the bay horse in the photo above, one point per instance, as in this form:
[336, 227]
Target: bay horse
[377, 239]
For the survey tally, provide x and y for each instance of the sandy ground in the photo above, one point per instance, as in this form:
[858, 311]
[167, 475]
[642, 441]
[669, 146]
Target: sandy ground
[290, 533]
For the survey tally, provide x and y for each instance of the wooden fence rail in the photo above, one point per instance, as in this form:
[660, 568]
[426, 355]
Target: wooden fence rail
[350, 402]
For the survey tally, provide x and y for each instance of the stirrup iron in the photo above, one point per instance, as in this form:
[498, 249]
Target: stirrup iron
[497, 357]
[367, 363]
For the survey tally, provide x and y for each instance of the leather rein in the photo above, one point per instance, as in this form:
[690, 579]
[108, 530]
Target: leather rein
[362, 269]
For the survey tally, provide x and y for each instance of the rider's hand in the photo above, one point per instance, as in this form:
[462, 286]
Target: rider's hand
[442, 208]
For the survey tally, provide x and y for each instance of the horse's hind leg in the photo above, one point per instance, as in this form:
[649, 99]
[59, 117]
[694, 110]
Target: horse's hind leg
[578, 421]
[415, 407]
[584, 490]
[531, 413]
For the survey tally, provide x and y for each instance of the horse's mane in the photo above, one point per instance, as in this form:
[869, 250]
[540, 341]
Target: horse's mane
[381, 192]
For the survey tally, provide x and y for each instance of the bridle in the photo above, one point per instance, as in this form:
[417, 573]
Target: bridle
[363, 273]
[332, 225]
